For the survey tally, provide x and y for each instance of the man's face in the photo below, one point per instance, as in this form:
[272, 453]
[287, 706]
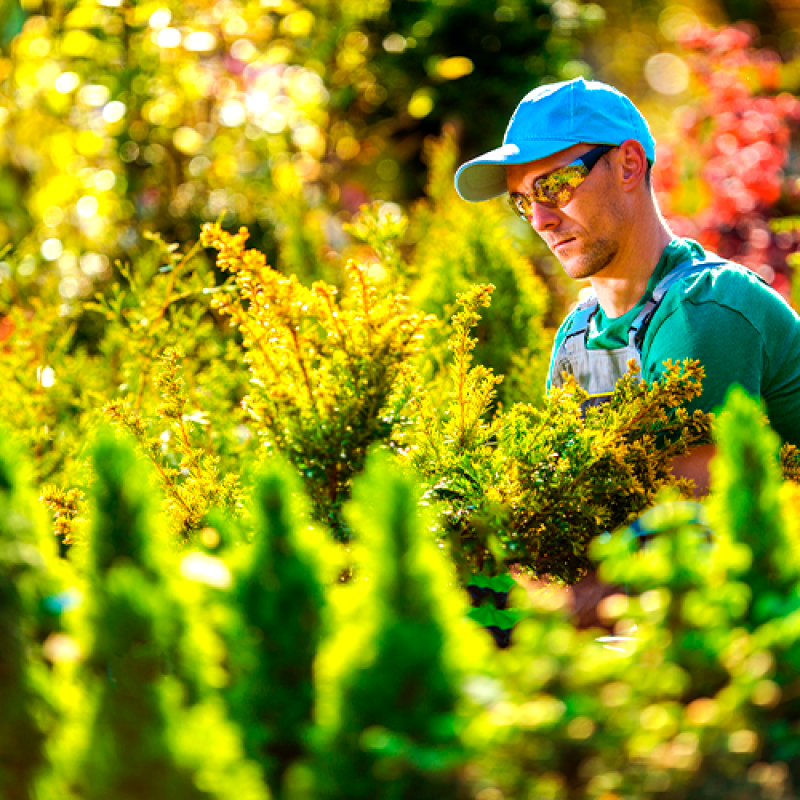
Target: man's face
[584, 234]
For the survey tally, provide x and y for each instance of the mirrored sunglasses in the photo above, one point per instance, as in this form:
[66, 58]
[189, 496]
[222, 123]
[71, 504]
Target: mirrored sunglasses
[555, 189]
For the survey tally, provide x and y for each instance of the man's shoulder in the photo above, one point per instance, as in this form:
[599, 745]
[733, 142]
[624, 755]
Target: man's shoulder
[705, 277]
[720, 294]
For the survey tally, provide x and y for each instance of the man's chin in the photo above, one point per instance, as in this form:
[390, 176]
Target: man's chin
[575, 268]
[580, 267]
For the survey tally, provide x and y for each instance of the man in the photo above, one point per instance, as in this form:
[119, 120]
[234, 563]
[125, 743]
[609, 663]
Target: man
[576, 162]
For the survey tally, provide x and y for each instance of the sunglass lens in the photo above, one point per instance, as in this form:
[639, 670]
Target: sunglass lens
[559, 186]
[520, 203]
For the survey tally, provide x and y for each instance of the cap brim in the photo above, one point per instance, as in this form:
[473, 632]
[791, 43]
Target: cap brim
[484, 177]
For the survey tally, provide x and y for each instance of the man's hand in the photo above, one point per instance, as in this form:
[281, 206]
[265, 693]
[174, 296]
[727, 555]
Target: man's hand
[580, 599]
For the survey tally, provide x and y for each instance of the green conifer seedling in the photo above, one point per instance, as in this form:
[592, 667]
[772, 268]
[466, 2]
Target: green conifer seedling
[147, 736]
[747, 506]
[389, 697]
[25, 708]
[278, 596]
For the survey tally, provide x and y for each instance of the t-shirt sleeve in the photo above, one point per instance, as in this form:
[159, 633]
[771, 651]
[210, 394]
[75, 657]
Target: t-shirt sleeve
[722, 339]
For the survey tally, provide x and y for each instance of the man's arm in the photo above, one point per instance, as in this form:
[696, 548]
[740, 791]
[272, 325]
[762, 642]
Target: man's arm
[695, 466]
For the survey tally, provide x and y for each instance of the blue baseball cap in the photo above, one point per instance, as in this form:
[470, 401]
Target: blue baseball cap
[552, 118]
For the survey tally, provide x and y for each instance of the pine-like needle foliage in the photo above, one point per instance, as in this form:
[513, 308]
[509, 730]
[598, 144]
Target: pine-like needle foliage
[533, 485]
[278, 598]
[147, 736]
[461, 244]
[324, 371]
[747, 506]
[187, 471]
[388, 697]
[26, 713]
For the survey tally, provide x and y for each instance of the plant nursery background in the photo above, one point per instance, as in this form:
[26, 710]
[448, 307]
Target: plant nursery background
[276, 460]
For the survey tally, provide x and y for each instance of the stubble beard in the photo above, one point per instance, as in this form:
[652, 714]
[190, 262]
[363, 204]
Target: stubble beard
[591, 260]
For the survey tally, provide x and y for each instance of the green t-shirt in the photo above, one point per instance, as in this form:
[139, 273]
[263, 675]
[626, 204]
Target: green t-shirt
[729, 320]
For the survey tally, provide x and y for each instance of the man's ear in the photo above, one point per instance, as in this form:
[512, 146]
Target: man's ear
[632, 163]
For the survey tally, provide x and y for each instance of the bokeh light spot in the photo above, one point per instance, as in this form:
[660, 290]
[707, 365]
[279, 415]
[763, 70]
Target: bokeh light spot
[168, 38]
[46, 376]
[243, 50]
[456, 67]
[347, 148]
[114, 111]
[51, 249]
[394, 43]
[105, 180]
[421, 103]
[236, 26]
[87, 206]
[743, 741]
[188, 140]
[67, 82]
[232, 114]
[667, 73]
[200, 42]
[160, 18]
[94, 95]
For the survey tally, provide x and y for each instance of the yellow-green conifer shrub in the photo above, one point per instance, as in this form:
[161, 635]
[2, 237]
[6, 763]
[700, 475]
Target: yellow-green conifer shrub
[692, 689]
[150, 733]
[27, 578]
[532, 485]
[187, 467]
[714, 597]
[324, 371]
[389, 677]
[50, 387]
[458, 244]
[65, 362]
[273, 631]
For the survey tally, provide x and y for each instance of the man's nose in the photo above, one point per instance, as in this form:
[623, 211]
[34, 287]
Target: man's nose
[543, 218]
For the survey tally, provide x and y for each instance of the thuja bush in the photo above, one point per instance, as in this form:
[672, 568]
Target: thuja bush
[532, 486]
[701, 702]
[154, 727]
[324, 371]
[278, 596]
[455, 245]
[29, 575]
[390, 714]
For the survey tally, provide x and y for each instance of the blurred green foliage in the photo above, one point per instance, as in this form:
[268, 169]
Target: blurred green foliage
[279, 590]
[153, 724]
[119, 117]
[213, 652]
[689, 692]
[389, 710]
[27, 576]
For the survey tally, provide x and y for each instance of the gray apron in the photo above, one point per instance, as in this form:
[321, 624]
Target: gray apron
[597, 370]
